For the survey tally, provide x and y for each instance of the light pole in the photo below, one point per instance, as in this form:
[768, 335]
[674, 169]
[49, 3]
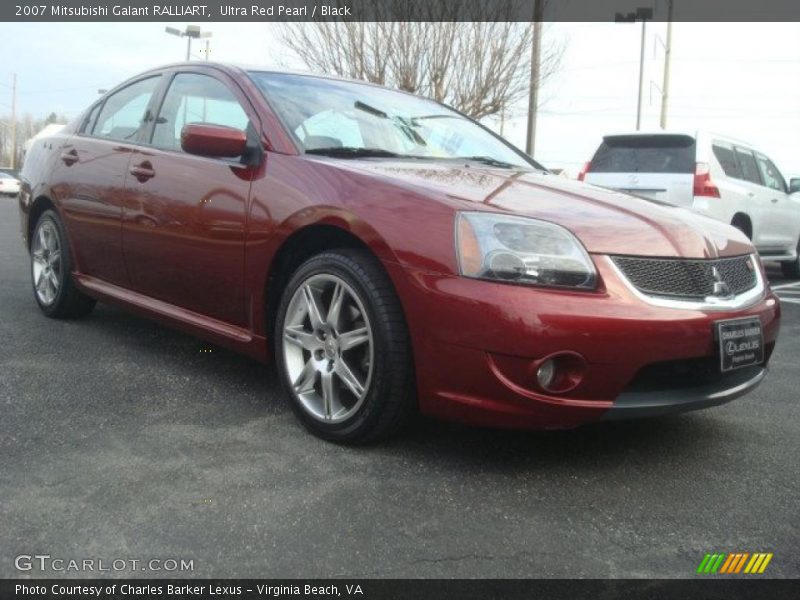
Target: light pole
[191, 32]
[14, 121]
[642, 14]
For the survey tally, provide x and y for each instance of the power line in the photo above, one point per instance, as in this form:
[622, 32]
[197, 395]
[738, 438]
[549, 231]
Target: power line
[771, 115]
[627, 63]
[75, 89]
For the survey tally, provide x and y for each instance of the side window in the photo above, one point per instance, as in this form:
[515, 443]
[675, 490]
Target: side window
[330, 129]
[747, 165]
[195, 98]
[88, 122]
[727, 160]
[770, 174]
[123, 113]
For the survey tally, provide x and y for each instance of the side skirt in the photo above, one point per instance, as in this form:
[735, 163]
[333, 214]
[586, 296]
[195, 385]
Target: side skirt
[230, 336]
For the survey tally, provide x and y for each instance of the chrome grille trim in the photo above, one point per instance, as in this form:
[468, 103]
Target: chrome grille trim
[743, 300]
[688, 279]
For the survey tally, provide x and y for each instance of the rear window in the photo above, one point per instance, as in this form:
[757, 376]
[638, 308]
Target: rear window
[645, 154]
[727, 160]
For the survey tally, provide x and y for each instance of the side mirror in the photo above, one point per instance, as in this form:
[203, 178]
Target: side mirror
[218, 141]
[794, 185]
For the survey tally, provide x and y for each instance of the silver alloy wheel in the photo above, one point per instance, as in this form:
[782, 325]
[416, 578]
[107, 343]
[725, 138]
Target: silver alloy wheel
[46, 257]
[328, 348]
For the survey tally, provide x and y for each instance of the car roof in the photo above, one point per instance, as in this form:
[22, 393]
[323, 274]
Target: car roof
[701, 135]
[243, 68]
[649, 132]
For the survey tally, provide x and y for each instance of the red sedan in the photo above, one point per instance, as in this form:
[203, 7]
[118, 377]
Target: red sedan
[391, 254]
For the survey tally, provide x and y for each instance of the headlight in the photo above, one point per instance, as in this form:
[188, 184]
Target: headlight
[521, 250]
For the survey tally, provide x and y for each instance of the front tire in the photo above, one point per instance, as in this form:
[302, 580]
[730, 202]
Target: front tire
[791, 269]
[51, 271]
[342, 348]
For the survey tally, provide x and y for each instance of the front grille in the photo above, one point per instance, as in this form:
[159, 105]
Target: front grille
[684, 278]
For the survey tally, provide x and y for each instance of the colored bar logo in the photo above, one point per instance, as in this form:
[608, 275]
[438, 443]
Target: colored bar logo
[734, 563]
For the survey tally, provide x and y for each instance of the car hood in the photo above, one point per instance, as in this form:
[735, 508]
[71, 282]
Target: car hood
[605, 221]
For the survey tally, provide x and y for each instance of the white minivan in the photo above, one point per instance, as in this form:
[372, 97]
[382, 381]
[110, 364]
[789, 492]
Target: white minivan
[714, 175]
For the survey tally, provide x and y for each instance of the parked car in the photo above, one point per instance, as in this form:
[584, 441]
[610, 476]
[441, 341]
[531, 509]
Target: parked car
[389, 254]
[9, 185]
[714, 175]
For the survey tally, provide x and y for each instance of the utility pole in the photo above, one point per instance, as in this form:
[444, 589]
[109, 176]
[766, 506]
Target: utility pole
[533, 95]
[13, 121]
[641, 78]
[667, 56]
[642, 14]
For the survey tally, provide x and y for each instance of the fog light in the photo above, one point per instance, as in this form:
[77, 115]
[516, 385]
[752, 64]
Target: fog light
[546, 373]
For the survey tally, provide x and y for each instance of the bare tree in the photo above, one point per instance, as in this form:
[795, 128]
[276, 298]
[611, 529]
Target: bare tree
[480, 67]
[27, 127]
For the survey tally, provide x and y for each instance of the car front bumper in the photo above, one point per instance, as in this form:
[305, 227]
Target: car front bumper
[478, 344]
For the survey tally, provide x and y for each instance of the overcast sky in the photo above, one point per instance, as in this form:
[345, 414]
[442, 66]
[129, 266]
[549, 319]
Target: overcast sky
[740, 79]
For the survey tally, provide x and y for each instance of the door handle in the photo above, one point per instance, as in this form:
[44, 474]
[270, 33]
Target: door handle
[70, 157]
[774, 200]
[143, 171]
[751, 194]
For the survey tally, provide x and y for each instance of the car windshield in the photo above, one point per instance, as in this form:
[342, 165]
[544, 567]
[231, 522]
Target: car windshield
[349, 120]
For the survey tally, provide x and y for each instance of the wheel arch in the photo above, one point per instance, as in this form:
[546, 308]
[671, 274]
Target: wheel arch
[36, 209]
[743, 222]
[301, 244]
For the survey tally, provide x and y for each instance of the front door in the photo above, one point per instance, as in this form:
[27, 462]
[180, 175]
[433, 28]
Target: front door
[185, 215]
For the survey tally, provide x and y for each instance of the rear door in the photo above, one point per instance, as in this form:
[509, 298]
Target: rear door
[784, 213]
[657, 166]
[90, 180]
[766, 225]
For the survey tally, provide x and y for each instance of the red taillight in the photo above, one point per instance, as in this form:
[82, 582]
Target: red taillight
[703, 186]
[584, 171]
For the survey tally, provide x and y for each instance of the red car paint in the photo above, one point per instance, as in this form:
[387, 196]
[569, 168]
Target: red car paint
[192, 242]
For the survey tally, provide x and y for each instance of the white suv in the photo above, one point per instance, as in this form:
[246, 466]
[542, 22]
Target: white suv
[711, 174]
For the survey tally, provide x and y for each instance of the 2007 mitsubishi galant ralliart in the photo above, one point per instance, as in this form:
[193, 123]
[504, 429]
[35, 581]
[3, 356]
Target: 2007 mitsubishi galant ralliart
[390, 253]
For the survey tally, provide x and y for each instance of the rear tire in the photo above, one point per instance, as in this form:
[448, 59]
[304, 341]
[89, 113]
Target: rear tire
[791, 269]
[51, 271]
[347, 370]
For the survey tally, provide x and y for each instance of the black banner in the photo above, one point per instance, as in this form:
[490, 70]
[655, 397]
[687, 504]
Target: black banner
[397, 589]
[399, 10]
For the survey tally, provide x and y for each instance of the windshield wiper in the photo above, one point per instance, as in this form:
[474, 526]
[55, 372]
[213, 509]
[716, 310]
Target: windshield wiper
[492, 162]
[351, 152]
[370, 109]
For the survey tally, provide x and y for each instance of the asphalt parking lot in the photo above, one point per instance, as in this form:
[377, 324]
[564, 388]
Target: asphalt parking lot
[121, 439]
